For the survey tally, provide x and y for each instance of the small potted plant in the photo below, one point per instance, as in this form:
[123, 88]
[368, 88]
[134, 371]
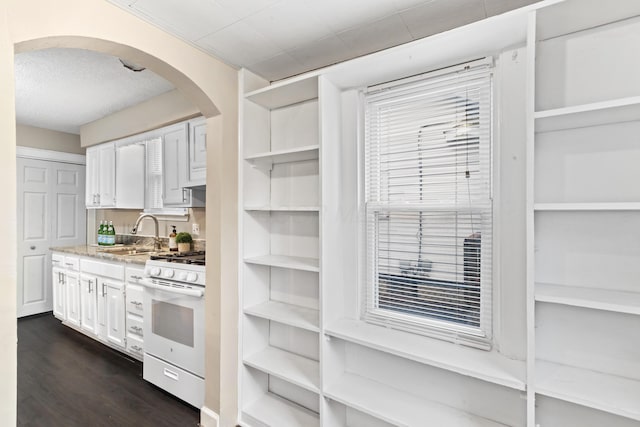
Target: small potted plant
[184, 240]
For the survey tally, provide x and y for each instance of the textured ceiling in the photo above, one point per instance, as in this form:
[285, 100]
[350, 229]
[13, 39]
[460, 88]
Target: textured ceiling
[62, 89]
[281, 38]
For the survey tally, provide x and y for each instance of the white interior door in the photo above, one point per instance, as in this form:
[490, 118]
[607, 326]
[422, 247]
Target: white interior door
[51, 212]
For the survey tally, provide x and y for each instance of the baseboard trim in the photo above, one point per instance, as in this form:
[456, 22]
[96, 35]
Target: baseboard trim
[208, 417]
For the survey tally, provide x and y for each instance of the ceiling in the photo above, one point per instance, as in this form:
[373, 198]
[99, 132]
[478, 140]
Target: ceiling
[62, 89]
[281, 38]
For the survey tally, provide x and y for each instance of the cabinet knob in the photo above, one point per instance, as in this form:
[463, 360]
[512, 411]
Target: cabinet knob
[32, 247]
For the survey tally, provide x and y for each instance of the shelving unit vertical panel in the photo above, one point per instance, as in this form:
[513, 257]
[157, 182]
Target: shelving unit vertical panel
[295, 184]
[294, 234]
[553, 412]
[295, 287]
[529, 216]
[294, 126]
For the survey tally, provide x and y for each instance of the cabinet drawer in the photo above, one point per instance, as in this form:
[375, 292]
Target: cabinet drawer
[135, 345]
[57, 260]
[134, 325]
[72, 263]
[135, 299]
[176, 381]
[134, 275]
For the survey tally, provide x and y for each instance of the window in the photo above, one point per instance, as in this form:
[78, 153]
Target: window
[428, 204]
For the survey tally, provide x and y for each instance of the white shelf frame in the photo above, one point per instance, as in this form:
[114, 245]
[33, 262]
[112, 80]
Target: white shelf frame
[287, 93]
[586, 115]
[276, 411]
[398, 407]
[298, 370]
[488, 366]
[282, 208]
[608, 206]
[288, 314]
[289, 155]
[609, 393]
[284, 261]
[597, 299]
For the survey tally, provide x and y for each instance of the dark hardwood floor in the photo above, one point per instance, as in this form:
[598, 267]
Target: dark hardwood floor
[67, 379]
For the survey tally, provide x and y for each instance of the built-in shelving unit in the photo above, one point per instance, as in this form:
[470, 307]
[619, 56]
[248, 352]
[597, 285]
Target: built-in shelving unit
[280, 271]
[583, 175]
[306, 357]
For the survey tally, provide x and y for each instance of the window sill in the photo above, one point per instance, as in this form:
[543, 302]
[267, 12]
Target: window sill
[488, 366]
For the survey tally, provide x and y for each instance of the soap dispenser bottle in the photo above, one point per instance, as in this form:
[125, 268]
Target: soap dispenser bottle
[173, 245]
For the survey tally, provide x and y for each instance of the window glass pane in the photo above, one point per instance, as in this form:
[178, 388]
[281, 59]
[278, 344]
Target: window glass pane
[173, 322]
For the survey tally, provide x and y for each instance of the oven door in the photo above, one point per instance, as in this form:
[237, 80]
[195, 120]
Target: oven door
[174, 324]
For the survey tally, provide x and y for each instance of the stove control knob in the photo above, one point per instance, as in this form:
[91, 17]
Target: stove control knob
[168, 273]
[192, 277]
[183, 276]
[153, 271]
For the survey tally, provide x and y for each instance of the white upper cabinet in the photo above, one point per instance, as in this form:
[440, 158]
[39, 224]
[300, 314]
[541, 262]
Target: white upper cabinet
[101, 176]
[176, 169]
[197, 169]
[130, 175]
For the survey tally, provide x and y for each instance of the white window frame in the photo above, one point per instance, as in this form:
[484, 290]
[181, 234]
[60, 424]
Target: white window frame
[480, 337]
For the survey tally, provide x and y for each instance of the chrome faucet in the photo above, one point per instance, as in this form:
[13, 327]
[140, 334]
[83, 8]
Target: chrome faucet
[156, 240]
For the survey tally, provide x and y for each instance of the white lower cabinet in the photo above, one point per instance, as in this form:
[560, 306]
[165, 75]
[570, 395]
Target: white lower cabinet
[102, 299]
[88, 303]
[111, 316]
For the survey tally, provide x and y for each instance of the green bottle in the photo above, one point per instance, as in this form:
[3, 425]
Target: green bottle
[112, 234]
[101, 234]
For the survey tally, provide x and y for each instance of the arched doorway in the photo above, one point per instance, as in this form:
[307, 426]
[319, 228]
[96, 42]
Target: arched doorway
[210, 85]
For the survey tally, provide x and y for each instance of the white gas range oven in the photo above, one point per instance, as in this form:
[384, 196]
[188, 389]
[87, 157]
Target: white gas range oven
[174, 324]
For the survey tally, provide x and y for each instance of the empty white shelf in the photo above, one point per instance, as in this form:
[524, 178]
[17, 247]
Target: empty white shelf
[288, 93]
[274, 411]
[599, 299]
[282, 208]
[288, 366]
[485, 365]
[614, 206]
[595, 114]
[289, 314]
[609, 393]
[298, 154]
[283, 261]
[398, 407]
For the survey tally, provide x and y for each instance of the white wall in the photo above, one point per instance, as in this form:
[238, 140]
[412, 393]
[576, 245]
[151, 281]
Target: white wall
[46, 139]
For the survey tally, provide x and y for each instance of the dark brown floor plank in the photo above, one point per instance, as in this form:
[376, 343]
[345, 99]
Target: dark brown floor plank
[68, 379]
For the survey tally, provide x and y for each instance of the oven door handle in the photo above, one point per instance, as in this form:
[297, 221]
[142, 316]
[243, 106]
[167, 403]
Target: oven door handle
[198, 293]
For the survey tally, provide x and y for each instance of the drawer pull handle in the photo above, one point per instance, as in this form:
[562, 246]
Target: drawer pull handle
[136, 329]
[136, 348]
[137, 277]
[136, 303]
[173, 375]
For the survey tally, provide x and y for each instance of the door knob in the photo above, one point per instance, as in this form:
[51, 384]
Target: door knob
[32, 247]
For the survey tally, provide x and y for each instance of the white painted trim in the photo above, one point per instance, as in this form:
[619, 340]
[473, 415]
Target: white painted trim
[208, 418]
[50, 155]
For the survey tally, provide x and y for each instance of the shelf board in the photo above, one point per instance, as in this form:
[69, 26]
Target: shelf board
[595, 114]
[398, 407]
[298, 154]
[283, 261]
[282, 208]
[288, 366]
[599, 299]
[291, 92]
[274, 411]
[613, 206]
[609, 393]
[485, 365]
[289, 314]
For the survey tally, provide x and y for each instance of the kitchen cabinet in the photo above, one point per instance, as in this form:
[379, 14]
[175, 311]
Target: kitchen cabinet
[134, 299]
[88, 303]
[175, 155]
[111, 316]
[197, 169]
[101, 176]
[57, 282]
[130, 174]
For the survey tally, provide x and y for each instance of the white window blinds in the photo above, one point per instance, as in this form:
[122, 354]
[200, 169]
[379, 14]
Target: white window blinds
[428, 204]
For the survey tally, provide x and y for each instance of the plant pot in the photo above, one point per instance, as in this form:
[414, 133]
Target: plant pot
[184, 247]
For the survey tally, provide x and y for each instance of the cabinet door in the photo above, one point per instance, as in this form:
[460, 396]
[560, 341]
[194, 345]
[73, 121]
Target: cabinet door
[92, 178]
[72, 283]
[107, 175]
[114, 312]
[59, 296]
[88, 302]
[130, 176]
[197, 153]
[175, 167]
